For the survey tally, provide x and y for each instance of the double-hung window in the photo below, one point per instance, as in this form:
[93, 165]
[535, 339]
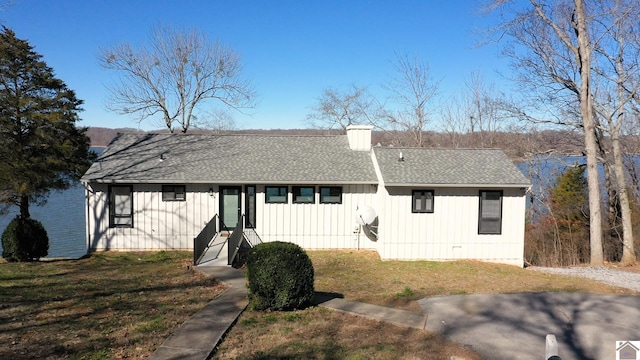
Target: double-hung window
[304, 194]
[276, 194]
[173, 193]
[330, 195]
[490, 213]
[422, 201]
[120, 206]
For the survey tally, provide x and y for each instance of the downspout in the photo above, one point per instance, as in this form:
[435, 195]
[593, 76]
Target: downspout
[86, 217]
[378, 203]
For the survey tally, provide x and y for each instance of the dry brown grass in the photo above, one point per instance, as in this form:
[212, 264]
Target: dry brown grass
[362, 276]
[318, 333]
[631, 268]
[108, 306]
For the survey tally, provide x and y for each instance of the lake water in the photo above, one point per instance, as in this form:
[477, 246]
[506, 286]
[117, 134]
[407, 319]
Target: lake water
[63, 216]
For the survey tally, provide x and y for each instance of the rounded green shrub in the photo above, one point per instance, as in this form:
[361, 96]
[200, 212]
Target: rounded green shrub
[24, 239]
[280, 276]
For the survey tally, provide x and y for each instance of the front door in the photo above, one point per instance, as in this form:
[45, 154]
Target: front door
[230, 200]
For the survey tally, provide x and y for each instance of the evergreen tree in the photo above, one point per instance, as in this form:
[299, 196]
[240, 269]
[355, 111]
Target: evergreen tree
[569, 195]
[41, 149]
[570, 208]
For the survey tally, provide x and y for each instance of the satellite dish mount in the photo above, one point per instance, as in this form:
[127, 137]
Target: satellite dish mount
[367, 218]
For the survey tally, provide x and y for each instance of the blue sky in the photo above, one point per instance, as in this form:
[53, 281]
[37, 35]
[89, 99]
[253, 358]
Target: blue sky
[292, 50]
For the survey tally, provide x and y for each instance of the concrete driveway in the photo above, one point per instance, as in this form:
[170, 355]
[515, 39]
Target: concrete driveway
[514, 326]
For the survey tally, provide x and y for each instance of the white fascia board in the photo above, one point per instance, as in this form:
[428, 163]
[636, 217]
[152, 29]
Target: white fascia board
[262, 182]
[459, 185]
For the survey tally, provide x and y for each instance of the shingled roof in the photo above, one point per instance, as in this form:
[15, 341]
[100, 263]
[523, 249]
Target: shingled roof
[247, 159]
[448, 167]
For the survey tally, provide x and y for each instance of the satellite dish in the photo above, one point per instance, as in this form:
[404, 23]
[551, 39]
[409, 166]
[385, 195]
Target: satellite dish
[365, 215]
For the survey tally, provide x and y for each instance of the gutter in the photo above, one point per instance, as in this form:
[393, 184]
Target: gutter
[236, 182]
[444, 185]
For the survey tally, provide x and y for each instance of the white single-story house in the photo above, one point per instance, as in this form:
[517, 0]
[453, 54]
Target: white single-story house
[159, 191]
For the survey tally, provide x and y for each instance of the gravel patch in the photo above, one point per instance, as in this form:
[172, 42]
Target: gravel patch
[625, 279]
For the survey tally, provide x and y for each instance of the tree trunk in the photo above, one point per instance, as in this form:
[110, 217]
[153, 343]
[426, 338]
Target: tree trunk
[610, 187]
[586, 106]
[24, 206]
[628, 251]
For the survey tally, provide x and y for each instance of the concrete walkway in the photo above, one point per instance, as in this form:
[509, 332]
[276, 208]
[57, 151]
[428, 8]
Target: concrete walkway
[376, 312]
[197, 337]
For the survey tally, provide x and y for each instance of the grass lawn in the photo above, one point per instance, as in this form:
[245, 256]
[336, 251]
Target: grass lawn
[123, 305]
[107, 306]
[362, 276]
[318, 333]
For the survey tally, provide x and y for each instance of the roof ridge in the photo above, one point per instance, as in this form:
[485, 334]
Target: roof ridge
[227, 135]
[430, 148]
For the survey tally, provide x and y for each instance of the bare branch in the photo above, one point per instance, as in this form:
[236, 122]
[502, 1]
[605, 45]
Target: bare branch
[337, 109]
[174, 75]
[412, 90]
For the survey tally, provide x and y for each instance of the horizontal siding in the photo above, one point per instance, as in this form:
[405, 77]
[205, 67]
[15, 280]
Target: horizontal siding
[451, 231]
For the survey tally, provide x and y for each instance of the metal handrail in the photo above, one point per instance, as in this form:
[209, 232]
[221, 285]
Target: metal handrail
[235, 240]
[201, 242]
[251, 234]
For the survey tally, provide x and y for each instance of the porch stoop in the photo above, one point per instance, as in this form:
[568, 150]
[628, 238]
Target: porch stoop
[216, 255]
[223, 246]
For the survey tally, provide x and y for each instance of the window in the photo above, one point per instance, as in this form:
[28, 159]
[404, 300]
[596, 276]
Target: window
[120, 206]
[250, 206]
[173, 193]
[490, 214]
[276, 194]
[330, 195]
[304, 194]
[422, 201]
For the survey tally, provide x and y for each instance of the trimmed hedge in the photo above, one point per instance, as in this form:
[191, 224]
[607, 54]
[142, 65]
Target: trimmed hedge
[280, 276]
[24, 239]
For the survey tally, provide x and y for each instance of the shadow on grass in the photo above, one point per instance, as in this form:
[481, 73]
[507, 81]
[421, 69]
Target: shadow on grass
[320, 297]
[114, 296]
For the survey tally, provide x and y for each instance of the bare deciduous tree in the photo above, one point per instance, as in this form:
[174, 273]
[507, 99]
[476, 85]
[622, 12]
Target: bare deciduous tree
[175, 73]
[455, 121]
[616, 68]
[412, 89]
[553, 53]
[337, 109]
[477, 111]
[217, 120]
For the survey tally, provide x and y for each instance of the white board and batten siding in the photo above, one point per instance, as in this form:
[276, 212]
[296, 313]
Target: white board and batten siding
[172, 225]
[316, 226]
[451, 231]
[157, 224]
